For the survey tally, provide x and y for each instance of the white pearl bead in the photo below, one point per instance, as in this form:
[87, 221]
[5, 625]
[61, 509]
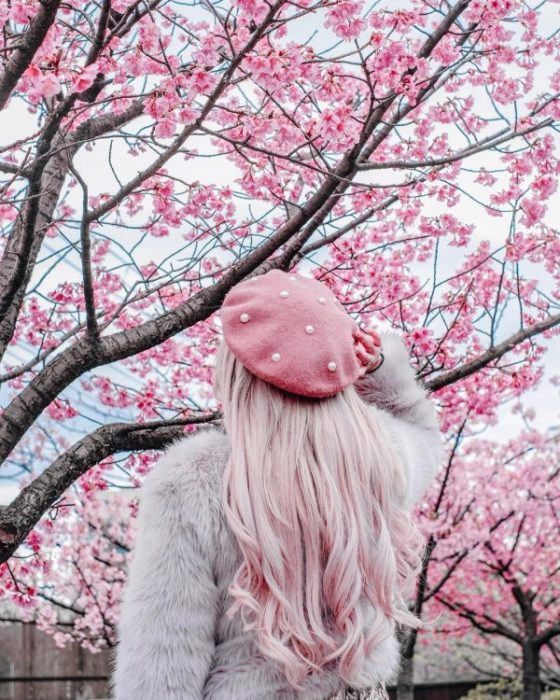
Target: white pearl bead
[244, 318]
[332, 366]
[284, 293]
[322, 300]
[275, 357]
[309, 329]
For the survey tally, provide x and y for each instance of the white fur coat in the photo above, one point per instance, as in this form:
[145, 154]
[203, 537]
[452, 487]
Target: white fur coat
[175, 642]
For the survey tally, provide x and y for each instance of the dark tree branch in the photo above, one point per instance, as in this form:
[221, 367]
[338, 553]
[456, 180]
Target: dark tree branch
[491, 354]
[28, 45]
[46, 174]
[97, 44]
[56, 167]
[363, 149]
[548, 635]
[85, 253]
[11, 169]
[483, 622]
[19, 518]
[46, 177]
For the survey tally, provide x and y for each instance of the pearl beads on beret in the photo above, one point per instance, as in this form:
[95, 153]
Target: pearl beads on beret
[300, 338]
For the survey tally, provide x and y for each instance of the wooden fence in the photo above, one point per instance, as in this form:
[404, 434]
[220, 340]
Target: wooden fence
[32, 667]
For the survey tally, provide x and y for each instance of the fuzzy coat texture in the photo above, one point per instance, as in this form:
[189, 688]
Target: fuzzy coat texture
[175, 641]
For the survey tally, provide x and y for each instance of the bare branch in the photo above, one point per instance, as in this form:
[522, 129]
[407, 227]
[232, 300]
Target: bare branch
[483, 622]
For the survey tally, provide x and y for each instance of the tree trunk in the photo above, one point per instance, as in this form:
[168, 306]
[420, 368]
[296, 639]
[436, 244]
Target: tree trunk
[52, 182]
[405, 683]
[531, 672]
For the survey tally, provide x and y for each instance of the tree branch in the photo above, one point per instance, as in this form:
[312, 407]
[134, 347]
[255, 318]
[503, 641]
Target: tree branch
[503, 136]
[19, 518]
[489, 626]
[28, 45]
[491, 354]
[362, 150]
[85, 254]
[548, 635]
[55, 161]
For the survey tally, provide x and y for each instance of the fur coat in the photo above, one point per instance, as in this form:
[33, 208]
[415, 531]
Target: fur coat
[175, 641]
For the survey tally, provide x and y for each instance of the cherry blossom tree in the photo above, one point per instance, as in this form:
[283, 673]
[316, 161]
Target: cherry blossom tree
[488, 499]
[495, 557]
[154, 154]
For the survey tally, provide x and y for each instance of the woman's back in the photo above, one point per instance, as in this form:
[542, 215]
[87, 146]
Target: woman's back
[211, 655]
[175, 639]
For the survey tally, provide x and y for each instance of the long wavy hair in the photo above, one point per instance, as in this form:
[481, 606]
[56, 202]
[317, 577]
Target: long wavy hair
[311, 492]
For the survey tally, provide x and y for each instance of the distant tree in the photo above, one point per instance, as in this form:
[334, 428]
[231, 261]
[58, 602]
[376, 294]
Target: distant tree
[496, 568]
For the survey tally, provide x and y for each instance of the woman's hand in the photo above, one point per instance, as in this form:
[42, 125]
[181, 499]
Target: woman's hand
[367, 346]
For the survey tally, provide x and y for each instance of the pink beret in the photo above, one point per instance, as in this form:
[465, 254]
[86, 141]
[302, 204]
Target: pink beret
[292, 332]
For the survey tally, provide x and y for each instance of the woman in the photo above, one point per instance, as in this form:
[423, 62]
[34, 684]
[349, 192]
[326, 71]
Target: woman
[273, 560]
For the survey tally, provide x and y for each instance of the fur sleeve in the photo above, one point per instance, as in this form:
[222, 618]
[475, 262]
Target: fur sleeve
[407, 413]
[168, 613]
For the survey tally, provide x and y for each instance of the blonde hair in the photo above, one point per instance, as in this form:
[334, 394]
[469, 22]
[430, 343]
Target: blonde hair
[312, 493]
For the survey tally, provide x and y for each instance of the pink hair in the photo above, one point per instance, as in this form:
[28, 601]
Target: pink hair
[311, 492]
